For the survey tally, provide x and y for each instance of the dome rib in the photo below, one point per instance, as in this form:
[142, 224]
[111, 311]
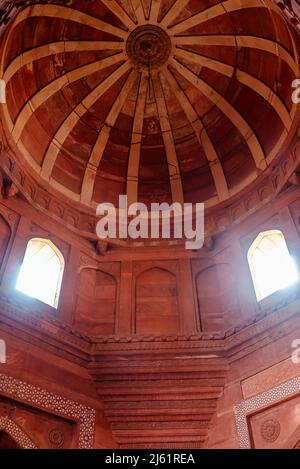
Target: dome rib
[245, 78]
[172, 14]
[70, 14]
[253, 42]
[154, 11]
[57, 47]
[223, 104]
[138, 10]
[120, 13]
[55, 85]
[172, 158]
[202, 136]
[73, 118]
[220, 9]
[136, 141]
[102, 139]
[198, 126]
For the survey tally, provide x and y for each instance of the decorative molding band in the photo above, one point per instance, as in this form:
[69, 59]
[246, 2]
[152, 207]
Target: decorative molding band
[82, 220]
[78, 347]
[250, 406]
[9, 8]
[10, 427]
[50, 402]
[269, 378]
[291, 10]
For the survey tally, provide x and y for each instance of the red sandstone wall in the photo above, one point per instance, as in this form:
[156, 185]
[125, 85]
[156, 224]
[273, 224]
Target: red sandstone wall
[145, 292]
[256, 373]
[45, 424]
[155, 292]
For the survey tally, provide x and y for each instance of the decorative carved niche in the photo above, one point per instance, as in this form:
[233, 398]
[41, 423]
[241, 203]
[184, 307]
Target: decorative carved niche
[217, 301]
[156, 303]
[95, 311]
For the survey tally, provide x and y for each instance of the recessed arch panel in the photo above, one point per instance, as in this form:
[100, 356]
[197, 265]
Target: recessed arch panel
[96, 302]
[156, 303]
[217, 298]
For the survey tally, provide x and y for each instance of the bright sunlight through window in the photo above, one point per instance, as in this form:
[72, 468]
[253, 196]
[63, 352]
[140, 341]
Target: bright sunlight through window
[271, 264]
[41, 272]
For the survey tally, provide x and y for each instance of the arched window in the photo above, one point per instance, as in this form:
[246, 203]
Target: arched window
[41, 272]
[271, 264]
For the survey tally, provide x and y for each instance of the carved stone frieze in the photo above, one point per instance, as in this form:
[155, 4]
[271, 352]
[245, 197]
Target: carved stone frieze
[9, 8]
[83, 221]
[261, 401]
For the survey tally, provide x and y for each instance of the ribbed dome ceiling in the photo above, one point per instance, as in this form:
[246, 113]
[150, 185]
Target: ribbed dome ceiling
[183, 100]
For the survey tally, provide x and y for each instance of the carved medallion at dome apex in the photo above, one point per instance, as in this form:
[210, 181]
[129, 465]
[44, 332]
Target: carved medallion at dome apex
[183, 100]
[148, 47]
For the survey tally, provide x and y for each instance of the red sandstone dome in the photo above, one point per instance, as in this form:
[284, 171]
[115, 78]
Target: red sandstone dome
[188, 101]
[106, 346]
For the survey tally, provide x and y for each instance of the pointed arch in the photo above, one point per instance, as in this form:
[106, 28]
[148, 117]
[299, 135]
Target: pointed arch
[218, 304]
[156, 302]
[96, 302]
[41, 272]
[271, 265]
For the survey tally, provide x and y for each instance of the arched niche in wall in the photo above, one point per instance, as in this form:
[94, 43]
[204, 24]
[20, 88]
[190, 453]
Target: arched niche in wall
[5, 233]
[96, 302]
[217, 298]
[156, 303]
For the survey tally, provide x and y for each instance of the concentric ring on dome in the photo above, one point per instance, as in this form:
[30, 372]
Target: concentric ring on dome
[148, 45]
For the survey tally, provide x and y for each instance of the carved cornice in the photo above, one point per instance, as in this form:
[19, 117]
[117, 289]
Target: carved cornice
[82, 220]
[39, 329]
[219, 219]
[10, 8]
[64, 340]
[175, 375]
[291, 10]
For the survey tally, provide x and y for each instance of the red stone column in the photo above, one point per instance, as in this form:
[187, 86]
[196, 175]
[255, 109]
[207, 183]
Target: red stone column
[244, 285]
[16, 255]
[186, 302]
[124, 317]
[69, 287]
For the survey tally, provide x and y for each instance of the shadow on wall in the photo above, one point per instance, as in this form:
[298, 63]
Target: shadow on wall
[95, 311]
[218, 303]
[156, 303]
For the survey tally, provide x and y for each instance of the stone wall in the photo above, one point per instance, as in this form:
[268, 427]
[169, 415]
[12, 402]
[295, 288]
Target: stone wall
[166, 347]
